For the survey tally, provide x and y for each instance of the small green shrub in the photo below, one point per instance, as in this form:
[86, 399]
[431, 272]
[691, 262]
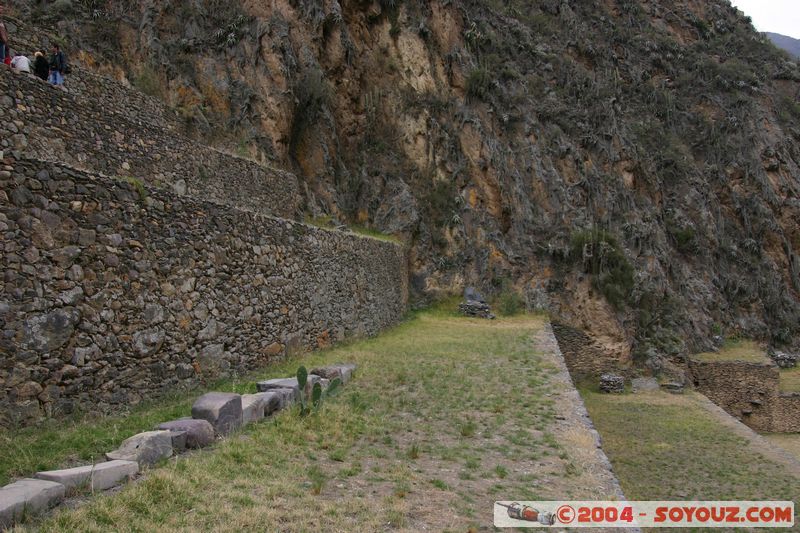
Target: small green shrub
[685, 239]
[413, 452]
[138, 186]
[479, 83]
[510, 302]
[467, 429]
[149, 82]
[601, 256]
[318, 396]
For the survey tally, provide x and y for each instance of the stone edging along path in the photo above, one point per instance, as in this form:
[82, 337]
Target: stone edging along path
[214, 415]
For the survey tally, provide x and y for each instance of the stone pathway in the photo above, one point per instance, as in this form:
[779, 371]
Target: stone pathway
[575, 430]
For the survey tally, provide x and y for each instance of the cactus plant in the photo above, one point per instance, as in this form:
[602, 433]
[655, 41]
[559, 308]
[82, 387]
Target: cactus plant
[318, 395]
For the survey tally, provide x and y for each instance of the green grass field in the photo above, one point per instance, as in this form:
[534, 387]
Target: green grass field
[790, 380]
[669, 447]
[426, 436]
[736, 350]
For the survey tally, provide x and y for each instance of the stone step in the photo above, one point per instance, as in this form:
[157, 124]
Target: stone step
[253, 406]
[28, 497]
[100, 476]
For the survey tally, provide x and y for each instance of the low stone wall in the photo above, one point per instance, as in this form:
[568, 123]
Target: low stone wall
[749, 391]
[38, 121]
[111, 294]
[746, 390]
[585, 358]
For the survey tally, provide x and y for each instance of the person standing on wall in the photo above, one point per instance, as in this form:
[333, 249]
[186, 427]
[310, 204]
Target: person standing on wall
[58, 64]
[41, 67]
[4, 50]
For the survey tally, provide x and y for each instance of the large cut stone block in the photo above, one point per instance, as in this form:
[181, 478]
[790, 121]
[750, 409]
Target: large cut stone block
[101, 476]
[283, 383]
[341, 371]
[288, 383]
[222, 410]
[273, 402]
[28, 497]
[252, 407]
[199, 433]
[286, 397]
[146, 448]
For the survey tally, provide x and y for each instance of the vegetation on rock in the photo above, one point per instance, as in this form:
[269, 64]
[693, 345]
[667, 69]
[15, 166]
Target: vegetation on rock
[490, 134]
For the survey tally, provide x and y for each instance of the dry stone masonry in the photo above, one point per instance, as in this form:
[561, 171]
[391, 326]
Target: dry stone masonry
[40, 122]
[749, 391]
[108, 296]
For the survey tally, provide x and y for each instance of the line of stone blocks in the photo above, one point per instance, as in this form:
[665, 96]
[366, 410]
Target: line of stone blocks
[27, 497]
[213, 413]
[100, 476]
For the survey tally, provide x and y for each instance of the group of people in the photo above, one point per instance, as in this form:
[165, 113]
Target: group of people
[51, 69]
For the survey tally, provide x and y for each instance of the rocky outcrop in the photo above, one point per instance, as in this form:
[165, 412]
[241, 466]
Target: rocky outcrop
[648, 197]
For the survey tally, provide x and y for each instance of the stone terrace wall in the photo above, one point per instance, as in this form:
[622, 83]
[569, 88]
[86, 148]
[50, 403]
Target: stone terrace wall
[85, 84]
[786, 414]
[108, 297]
[746, 390]
[750, 392]
[38, 121]
[106, 93]
[585, 358]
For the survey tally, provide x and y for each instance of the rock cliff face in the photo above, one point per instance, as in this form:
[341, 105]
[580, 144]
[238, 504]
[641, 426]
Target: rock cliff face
[632, 165]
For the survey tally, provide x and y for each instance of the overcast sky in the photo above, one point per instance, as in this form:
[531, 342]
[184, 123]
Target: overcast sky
[778, 16]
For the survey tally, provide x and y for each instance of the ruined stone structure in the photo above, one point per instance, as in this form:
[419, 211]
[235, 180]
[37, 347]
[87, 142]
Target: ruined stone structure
[749, 391]
[115, 289]
[119, 138]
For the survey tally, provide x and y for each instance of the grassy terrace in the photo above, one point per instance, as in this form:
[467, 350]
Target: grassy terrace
[736, 350]
[789, 442]
[426, 437]
[790, 380]
[682, 451]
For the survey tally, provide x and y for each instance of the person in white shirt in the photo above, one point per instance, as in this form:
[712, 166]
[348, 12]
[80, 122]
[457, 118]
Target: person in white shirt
[21, 63]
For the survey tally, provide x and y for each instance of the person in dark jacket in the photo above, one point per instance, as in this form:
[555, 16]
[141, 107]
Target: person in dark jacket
[58, 63]
[40, 66]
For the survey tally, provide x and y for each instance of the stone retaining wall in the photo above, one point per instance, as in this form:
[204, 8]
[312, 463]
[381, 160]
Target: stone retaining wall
[786, 415]
[111, 293]
[585, 358]
[38, 121]
[96, 89]
[749, 391]
[106, 93]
